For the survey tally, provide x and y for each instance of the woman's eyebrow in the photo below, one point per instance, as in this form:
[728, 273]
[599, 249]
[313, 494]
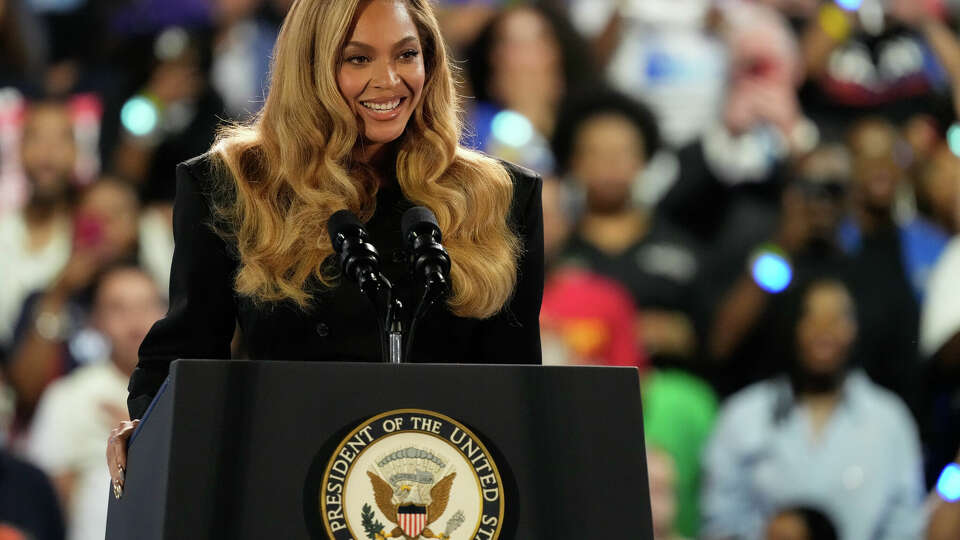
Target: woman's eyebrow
[405, 41]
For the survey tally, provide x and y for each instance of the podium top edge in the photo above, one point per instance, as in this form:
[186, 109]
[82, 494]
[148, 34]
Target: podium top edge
[190, 362]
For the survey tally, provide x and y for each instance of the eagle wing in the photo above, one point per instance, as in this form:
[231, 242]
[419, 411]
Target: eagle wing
[383, 494]
[440, 494]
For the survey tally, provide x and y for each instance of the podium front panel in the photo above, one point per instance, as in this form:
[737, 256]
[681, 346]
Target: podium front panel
[237, 449]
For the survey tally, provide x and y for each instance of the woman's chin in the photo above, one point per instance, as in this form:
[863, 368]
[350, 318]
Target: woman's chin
[380, 137]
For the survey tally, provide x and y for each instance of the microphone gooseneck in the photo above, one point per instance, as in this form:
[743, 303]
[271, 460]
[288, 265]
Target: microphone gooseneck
[428, 261]
[360, 263]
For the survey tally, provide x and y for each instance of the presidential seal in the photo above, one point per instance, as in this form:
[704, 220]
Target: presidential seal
[411, 474]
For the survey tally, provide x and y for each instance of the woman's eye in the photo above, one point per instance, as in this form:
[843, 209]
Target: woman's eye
[410, 55]
[358, 60]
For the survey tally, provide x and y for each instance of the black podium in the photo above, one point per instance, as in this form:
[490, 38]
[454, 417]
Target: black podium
[249, 450]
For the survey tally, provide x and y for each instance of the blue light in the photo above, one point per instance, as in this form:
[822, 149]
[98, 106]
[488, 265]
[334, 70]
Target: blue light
[772, 272]
[849, 5]
[139, 115]
[948, 486]
[512, 128]
[953, 139]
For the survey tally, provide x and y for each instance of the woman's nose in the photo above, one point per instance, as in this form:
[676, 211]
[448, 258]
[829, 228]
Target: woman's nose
[384, 75]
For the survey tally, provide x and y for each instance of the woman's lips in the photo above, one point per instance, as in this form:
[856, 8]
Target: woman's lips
[383, 109]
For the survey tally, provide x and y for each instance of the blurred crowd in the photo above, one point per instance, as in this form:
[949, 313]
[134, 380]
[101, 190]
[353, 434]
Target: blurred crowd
[754, 202]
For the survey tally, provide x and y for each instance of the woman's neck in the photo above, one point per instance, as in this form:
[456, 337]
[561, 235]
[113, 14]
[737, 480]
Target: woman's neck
[381, 158]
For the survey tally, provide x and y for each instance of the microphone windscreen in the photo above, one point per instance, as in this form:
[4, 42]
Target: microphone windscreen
[415, 216]
[341, 222]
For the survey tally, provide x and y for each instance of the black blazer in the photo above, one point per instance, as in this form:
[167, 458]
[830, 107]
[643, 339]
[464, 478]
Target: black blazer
[341, 324]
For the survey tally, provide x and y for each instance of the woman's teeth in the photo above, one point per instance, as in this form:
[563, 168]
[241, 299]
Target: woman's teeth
[388, 106]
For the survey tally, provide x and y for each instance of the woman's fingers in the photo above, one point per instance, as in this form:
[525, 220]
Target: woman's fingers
[117, 454]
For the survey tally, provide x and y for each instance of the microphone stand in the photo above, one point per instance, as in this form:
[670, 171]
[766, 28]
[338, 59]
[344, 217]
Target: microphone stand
[360, 263]
[433, 290]
[379, 291]
[394, 326]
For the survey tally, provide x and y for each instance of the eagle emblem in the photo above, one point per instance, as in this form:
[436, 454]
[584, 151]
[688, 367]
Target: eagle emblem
[411, 487]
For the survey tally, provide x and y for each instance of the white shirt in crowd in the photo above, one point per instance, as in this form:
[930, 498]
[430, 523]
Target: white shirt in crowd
[23, 271]
[864, 470]
[940, 319]
[69, 435]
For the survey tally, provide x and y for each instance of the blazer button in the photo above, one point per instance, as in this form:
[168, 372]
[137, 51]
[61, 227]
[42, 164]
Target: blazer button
[323, 330]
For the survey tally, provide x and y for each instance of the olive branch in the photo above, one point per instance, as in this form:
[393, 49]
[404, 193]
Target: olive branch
[370, 526]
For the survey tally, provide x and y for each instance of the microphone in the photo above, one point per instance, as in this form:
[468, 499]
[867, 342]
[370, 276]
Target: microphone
[427, 257]
[428, 261]
[359, 260]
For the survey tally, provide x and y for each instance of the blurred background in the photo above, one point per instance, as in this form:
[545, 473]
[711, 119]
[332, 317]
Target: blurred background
[755, 202]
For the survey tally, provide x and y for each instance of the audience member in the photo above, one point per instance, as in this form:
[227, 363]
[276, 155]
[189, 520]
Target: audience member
[73, 420]
[172, 118]
[52, 336]
[589, 320]
[663, 504]
[678, 415]
[523, 63]
[241, 55]
[945, 506]
[35, 242]
[871, 58]
[461, 21]
[750, 334]
[730, 179]
[28, 503]
[23, 46]
[940, 349]
[878, 178]
[663, 53]
[825, 435]
[891, 262]
[938, 189]
[556, 218]
[602, 144]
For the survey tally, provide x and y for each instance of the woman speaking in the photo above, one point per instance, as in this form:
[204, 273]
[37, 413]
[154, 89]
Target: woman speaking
[361, 114]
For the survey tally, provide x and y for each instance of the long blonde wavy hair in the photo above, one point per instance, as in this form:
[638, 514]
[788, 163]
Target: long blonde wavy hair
[294, 165]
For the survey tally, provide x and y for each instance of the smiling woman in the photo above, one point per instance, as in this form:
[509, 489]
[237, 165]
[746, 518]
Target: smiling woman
[362, 115]
[382, 76]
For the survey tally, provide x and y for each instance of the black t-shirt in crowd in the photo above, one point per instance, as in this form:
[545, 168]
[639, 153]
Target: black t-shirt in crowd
[887, 313]
[659, 269]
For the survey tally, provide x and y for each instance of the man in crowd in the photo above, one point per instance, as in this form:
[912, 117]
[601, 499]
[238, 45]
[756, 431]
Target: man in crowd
[602, 144]
[824, 436]
[891, 261]
[73, 421]
[35, 242]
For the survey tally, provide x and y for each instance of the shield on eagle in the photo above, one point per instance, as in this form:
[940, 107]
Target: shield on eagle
[412, 518]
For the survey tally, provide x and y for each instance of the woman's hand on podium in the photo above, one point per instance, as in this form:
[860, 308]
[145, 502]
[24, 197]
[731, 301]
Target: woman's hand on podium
[117, 454]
